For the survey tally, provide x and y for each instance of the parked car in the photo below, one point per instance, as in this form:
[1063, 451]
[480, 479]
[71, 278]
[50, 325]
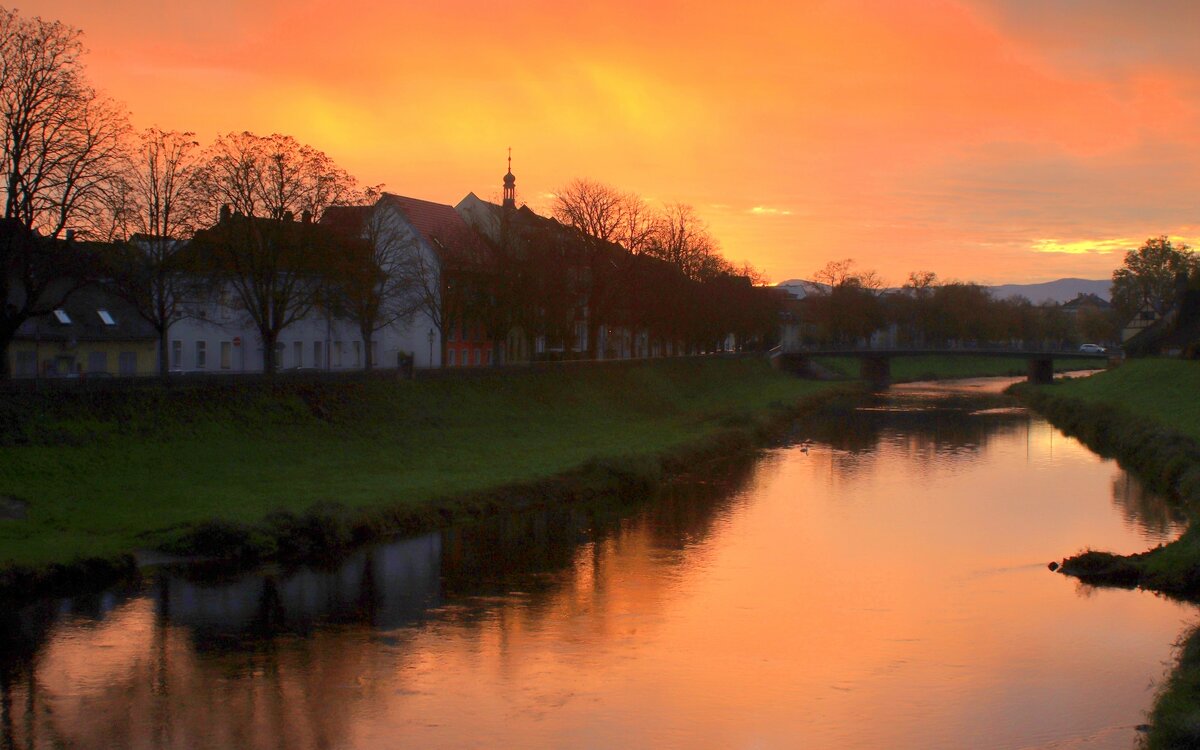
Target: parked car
[1091, 349]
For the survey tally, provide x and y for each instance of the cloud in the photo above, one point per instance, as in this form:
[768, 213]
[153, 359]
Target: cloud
[1084, 247]
[769, 211]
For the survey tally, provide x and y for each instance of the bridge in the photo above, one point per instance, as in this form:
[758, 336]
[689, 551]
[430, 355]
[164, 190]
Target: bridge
[876, 364]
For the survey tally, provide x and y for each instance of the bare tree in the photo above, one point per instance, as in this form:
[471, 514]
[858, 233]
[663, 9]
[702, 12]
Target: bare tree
[59, 159]
[639, 224]
[684, 241]
[275, 267]
[593, 208]
[61, 146]
[379, 279]
[598, 213]
[161, 206]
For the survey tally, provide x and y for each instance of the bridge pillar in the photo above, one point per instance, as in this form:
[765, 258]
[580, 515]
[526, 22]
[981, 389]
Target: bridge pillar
[1041, 370]
[876, 370]
[793, 363]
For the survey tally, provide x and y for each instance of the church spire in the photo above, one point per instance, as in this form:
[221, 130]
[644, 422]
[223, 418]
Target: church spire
[510, 185]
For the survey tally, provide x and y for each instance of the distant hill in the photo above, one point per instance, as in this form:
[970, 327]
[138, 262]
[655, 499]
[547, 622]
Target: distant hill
[1062, 290]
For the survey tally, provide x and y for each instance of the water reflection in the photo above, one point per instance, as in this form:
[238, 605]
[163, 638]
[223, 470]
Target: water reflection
[894, 568]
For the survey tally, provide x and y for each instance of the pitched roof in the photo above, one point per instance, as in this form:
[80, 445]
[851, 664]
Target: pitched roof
[1085, 299]
[84, 322]
[346, 219]
[443, 228]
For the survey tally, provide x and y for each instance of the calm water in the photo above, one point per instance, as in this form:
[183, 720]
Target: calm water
[882, 585]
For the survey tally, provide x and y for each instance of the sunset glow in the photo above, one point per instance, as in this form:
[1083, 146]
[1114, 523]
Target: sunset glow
[990, 140]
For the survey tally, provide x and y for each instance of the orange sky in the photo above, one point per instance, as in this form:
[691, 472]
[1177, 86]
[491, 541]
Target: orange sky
[989, 140]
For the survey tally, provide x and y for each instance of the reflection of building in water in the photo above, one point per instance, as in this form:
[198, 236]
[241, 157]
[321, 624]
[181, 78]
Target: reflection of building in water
[387, 586]
[252, 663]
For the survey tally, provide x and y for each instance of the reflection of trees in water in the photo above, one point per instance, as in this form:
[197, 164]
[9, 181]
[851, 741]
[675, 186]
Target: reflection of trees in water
[1143, 508]
[540, 552]
[281, 659]
[923, 429]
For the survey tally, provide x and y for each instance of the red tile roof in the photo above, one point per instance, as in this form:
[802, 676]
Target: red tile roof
[348, 220]
[443, 228]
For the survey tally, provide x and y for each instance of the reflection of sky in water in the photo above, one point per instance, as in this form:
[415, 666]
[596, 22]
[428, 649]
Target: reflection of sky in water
[880, 582]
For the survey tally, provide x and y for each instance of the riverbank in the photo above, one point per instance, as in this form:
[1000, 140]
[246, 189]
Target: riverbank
[290, 470]
[1146, 415]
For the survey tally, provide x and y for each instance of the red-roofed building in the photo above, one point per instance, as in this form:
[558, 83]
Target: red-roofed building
[451, 271]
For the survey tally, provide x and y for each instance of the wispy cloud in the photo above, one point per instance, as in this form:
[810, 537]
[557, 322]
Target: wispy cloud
[769, 211]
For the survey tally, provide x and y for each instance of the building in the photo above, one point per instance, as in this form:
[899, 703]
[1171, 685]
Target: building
[218, 335]
[452, 277]
[93, 333]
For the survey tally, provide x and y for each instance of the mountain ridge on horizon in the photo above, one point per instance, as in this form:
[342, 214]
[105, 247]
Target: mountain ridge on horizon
[1059, 291]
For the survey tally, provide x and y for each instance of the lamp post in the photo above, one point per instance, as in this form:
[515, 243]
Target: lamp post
[431, 348]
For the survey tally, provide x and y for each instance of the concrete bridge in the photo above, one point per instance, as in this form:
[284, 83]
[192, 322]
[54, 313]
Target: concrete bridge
[876, 364]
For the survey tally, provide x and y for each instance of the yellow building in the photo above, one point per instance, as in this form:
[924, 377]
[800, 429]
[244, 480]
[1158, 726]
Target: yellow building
[94, 333]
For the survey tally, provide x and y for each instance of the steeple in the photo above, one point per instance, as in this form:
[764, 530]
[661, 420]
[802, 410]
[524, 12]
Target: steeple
[510, 185]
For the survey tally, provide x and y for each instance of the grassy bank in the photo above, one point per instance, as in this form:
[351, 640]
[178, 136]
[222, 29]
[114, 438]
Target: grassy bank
[94, 476]
[944, 367]
[1146, 414]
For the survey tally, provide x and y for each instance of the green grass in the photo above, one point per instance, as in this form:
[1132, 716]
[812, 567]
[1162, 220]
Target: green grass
[113, 474]
[943, 367]
[1164, 390]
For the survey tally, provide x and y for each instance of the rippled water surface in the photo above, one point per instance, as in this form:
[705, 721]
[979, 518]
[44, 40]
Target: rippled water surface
[878, 582]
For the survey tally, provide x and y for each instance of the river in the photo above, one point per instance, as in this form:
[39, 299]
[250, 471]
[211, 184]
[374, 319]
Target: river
[879, 581]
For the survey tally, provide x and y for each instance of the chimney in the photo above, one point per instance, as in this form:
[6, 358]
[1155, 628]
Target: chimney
[226, 212]
[306, 216]
[289, 216]
[70, 235]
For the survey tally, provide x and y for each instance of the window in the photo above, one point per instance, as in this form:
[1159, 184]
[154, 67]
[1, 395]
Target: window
[452, 335]
[62, 317]
[478, 357]
[374, 352]
[450, 358]
[176, 355]
[127, 364]
[298, 354]
[226, 355]
[337, 354]
[106, 318]
[487, 357]
[279, 352]
[318, 354]
[97, 362]
[26, 364]
[201, 354]
[358, 354]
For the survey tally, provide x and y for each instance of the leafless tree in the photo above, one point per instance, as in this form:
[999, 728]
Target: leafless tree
[276, 267]
[60, 151]
[639, 224]
[61, 147]
[684, 241]
[160, 207]
[598, 212]
[381, 278]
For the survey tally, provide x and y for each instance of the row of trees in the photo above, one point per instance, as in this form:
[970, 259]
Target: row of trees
[670, 276]
[847, 305]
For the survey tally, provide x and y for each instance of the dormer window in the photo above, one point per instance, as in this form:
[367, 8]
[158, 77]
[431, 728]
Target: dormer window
[61, 316]
[104, 316]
